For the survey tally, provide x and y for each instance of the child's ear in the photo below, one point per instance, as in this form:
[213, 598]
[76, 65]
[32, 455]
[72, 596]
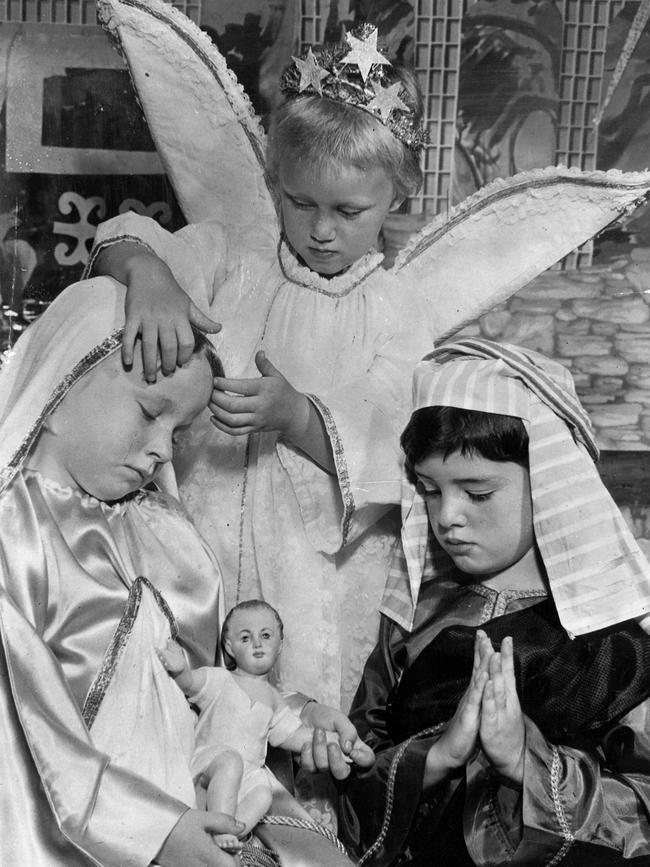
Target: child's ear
[227, 646]
[397, 202]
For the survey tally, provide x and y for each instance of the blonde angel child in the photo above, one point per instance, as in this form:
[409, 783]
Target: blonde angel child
[239, 713]
[303, 455]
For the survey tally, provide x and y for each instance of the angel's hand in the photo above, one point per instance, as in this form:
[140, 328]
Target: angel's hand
[161, 313]
[269, 402]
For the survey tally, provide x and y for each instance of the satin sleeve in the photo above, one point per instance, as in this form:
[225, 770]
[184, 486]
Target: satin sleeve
[592, 805]
[53, 779]
[196, 254]
[363, 419]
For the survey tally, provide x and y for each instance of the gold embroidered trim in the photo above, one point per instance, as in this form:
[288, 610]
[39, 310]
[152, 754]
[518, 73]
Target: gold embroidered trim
[119, 641]
[569, 839]
[109, 242]
[97, 354]
[340, 464]
[390, 790]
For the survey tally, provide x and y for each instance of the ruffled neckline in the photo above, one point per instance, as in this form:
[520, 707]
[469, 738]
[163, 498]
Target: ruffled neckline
[335, 287]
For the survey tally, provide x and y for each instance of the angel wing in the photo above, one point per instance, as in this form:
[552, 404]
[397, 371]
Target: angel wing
[206, 133]
[212, 146]
[500, 238]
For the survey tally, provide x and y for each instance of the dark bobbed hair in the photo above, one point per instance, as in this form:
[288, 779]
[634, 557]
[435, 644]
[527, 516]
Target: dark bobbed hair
[319, 131]
[444, 430]
[247, 605]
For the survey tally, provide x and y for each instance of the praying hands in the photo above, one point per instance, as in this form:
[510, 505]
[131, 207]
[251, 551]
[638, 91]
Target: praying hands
[488, 716]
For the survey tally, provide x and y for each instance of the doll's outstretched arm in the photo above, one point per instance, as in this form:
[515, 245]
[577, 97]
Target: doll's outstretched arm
[176, 664]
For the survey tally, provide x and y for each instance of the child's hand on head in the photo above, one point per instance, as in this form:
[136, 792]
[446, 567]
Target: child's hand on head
[158, 309]
[455, 746]
[267, 403]
[503, 731]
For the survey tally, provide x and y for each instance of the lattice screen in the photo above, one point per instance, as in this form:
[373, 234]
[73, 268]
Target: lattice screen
[437, 56]
[312, 21]
[583, 55]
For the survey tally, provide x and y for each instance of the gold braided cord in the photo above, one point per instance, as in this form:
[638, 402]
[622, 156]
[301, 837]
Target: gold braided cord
[307, 825]
[253, 855]
[569, 839]
[390, 789]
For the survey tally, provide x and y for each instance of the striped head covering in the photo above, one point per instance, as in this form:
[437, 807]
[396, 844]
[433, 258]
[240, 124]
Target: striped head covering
[597, 574]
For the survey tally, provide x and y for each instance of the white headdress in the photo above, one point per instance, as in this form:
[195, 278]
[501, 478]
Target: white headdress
[597, 574]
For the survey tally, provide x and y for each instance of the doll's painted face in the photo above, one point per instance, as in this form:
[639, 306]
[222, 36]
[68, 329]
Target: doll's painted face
[332, 215]
[481, 514]
[113, 431]
[254, 639]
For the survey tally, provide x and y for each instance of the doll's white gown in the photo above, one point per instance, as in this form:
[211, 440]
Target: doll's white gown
[316, 546]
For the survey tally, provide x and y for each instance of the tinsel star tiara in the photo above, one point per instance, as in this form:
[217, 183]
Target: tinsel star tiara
[355, 73]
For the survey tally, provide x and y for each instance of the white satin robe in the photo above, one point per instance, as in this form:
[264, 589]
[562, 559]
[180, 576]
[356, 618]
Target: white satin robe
[79, 632]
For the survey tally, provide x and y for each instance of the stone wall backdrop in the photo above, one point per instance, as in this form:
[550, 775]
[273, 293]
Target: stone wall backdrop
[596, 321]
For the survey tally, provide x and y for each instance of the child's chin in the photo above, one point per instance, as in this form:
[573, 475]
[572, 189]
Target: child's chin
[327, 267]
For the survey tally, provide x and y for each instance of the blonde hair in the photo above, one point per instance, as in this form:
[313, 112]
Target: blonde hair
[321, 131]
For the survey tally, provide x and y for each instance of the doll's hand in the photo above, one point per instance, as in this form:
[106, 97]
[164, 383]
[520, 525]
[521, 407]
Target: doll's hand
[455, 746]
[157, 308]
[503, 731]
[266, 403]
[172, 657]
[191, 843]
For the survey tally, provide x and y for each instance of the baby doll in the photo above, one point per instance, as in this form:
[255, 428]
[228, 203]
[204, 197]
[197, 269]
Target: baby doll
[239, 713]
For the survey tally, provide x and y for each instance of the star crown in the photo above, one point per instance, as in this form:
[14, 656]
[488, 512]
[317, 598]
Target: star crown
[354, 72]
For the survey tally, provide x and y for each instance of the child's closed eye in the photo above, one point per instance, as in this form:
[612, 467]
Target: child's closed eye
[479, 496]
[299, 204]
[147, 413]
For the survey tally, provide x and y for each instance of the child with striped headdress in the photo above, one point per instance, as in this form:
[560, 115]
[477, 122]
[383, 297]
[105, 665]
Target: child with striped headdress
[507, 699]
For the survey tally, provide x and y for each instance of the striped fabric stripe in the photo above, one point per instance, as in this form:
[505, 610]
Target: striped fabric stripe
[597, 574]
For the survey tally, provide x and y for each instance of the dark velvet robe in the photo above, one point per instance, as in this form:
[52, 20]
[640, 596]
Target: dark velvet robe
[585, 798]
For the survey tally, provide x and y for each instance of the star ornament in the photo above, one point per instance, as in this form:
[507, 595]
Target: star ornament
[386, 99]
[363, 53]
[311, 74]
